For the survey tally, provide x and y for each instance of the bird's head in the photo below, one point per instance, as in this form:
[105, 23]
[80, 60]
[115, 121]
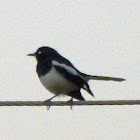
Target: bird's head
[43, 53]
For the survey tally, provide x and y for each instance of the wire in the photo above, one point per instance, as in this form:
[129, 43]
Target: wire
[74, 103]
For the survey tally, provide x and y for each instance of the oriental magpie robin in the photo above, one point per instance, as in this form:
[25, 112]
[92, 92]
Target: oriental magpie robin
[59, 76]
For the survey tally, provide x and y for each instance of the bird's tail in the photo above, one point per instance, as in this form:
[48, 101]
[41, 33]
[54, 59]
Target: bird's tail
[105, 78]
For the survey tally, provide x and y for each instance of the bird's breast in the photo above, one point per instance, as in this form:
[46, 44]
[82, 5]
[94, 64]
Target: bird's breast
[57, 83]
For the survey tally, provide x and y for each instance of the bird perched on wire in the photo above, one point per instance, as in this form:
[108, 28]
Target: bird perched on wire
[59, 76]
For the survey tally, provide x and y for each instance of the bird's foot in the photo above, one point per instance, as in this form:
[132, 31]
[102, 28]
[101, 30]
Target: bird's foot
[70, 102]
[48, 103]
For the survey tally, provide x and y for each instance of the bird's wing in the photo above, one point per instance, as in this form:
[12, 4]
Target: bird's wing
[69, 73]
[72, 75]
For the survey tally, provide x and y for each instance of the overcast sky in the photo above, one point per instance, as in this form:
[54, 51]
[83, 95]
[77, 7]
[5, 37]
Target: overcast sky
[100, 38]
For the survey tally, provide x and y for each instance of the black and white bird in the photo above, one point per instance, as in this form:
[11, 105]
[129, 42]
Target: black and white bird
[59, 76]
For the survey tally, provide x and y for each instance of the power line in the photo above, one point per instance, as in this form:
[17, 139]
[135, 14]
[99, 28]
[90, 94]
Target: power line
[64, 103]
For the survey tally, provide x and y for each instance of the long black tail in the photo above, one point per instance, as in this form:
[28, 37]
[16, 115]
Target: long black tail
[90, 77]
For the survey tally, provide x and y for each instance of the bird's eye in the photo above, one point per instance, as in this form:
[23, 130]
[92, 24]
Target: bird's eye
[39, 52]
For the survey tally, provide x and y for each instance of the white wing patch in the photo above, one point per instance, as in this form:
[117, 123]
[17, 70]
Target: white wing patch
[68, 68]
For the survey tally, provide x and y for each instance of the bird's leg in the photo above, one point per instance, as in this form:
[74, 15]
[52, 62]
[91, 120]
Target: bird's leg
[71, 103]
[48, 102]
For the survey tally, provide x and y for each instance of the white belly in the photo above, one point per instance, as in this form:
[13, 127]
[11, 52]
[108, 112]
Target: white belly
[56, 83]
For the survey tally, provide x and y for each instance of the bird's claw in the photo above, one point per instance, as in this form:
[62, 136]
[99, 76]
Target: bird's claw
[48, 104]
[70, 102]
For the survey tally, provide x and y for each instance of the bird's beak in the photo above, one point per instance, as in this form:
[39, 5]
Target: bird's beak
[32, 54]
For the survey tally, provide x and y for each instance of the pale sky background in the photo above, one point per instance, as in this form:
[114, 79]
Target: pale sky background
[99, 37]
